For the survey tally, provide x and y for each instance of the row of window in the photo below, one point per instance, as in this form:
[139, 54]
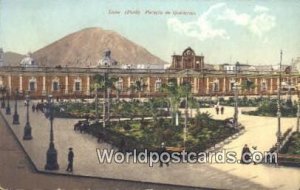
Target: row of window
[119, 85]
[55, 86]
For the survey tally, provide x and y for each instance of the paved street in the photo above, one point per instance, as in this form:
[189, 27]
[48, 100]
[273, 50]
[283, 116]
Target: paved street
[259, 132]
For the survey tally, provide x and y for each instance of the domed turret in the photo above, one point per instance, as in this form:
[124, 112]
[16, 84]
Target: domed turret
[107, 60]
[27, 61]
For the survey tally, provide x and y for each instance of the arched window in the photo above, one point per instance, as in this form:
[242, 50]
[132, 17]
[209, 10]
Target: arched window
[216, 85]
[263, 85]
[157, 85]
[32, 86]
[119, 84]
[55, 84]
[77, 85]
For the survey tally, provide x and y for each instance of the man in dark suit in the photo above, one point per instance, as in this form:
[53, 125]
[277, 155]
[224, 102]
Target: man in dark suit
[70, 160]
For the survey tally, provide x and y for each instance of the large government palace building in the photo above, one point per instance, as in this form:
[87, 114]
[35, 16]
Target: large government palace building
[77, 82]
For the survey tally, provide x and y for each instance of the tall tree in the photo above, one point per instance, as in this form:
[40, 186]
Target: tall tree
[103, 83]
[175, 92]
[138, 86]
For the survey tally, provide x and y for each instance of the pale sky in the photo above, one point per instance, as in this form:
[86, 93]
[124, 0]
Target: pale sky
[246, 31]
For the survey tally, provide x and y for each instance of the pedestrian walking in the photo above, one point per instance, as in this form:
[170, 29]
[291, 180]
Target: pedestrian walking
[222, 110]
[246, 155]
[217, 110]
[70, 160]
[33, 108]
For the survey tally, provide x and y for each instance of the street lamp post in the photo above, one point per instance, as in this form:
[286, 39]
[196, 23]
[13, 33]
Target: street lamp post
[16, 115]
[96, 105]
[236, 96]
[3, 99]
[51, 153]
[278, 103]
[27, 128]
[298, 112]
[7, 110]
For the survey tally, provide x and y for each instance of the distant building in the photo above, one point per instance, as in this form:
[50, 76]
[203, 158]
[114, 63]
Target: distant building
[231, 68]
[205, 79]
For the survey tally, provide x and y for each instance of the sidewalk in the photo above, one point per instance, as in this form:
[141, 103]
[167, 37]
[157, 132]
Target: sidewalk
[17, 173]
[228, 176]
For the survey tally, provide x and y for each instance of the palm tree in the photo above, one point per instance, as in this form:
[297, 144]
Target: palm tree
[103, 83]
[174, 95]
[247, 85]
[95, 87]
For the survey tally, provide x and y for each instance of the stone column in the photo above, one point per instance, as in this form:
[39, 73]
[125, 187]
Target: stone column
[129, 81]
[88, 85]
[21, 83]
[256, 86]
[271, 85]
[129, 84]
[207, 85]
[44, 85]
[195, 85]
[66, 84]
[9, 83]
[224, 85]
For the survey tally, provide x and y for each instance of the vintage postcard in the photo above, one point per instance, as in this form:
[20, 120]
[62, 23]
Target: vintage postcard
[149, 94]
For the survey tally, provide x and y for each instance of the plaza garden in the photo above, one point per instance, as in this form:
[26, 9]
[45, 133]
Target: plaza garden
[146, 123]
[137, 124]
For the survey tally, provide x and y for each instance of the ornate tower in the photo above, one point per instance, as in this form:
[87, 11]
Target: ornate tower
[188, 60]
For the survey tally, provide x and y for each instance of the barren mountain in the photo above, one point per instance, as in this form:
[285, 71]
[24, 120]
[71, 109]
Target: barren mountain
[86, 47]
[12, 59]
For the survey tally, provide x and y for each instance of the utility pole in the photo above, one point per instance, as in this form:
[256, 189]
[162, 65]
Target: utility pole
[104, 100]
[236, 96]
[278, 102]
[186, 113]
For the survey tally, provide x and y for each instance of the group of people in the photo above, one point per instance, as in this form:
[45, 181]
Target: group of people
[82, 126]
[219, 109]
[36, 108]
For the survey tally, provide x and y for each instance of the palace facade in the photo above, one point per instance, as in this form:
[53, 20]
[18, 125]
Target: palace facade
[77, 82]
